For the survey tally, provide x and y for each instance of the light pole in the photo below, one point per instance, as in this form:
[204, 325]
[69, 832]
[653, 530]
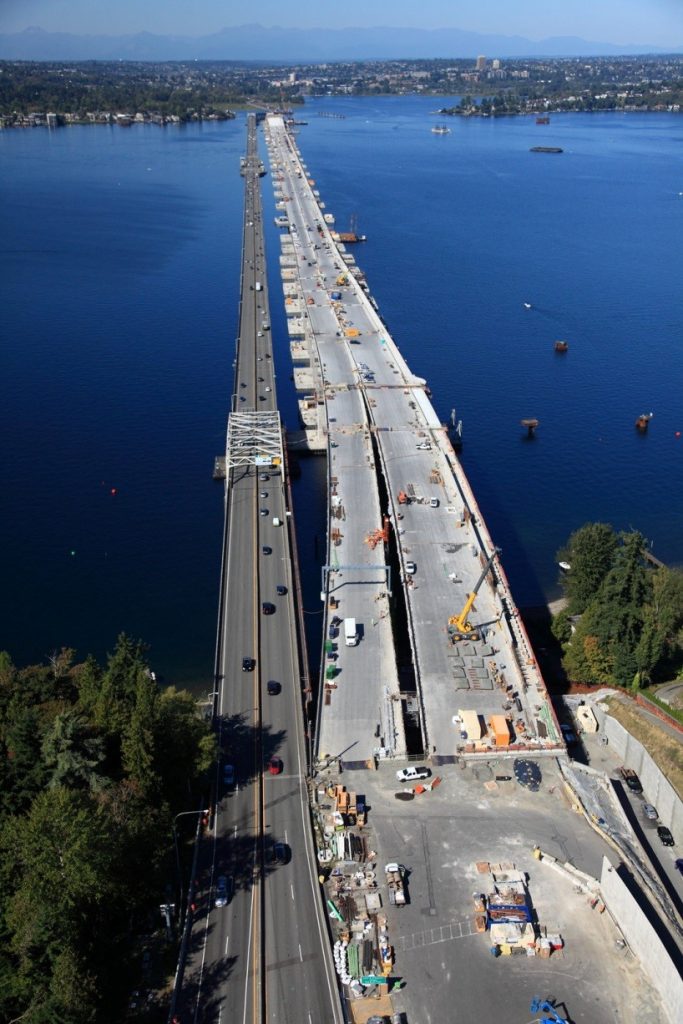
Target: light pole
[177, 853]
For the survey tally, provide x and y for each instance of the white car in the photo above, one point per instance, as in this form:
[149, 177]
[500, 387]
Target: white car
[413, 773]
[269, 389]
[411, 568]
[424, 446]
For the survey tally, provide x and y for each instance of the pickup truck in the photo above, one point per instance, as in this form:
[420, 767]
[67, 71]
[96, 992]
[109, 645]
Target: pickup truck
[394, 874]
[631, 780]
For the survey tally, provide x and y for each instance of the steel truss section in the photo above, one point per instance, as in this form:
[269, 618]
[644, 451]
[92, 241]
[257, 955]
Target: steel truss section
[254, 439]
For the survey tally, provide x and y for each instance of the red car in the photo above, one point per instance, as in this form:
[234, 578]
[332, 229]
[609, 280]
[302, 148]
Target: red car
[275, 766]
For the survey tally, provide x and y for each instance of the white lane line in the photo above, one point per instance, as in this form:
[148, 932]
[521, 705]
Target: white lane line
[301, 956]
[291, 888]
[286, 839]
[227, 943]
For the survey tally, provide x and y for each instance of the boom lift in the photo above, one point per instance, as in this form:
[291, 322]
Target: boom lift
[459, 628]
[539, 1005]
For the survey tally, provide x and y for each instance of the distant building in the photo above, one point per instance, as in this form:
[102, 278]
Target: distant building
[51, 120]
[495, 64]
[481, 63]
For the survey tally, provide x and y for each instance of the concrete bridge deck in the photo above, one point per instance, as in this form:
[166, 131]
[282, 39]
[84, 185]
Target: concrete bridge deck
[378, 412]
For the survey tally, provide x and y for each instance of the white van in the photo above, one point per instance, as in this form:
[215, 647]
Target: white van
[277, 521]
[350, 632]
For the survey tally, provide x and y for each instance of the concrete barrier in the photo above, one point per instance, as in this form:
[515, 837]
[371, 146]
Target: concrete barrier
[643, 941]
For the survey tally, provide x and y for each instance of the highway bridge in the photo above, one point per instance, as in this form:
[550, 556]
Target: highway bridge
[265, 954]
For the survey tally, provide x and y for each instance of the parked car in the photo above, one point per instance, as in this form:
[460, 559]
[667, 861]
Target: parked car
[413, 773]
[424, 446]
[650, 812]
[568, 734]
[665, 835]
[411, 568]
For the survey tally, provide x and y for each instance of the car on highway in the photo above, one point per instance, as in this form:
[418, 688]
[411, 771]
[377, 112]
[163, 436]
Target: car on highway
[268, 608]
[413, 773]
[263, 511]
[242, 384]
[223, 891]
[275, 765]
[273, 687]
[411, 568]
[424, 446]
[259, 334]
[242, 398]
[260, 380]
[269, 389]
[282, 590]
[665, 835]
[261, 398]
[263, 494]
[650, 812]
[280, 853]
[229, 774]
[264, 476]
[248, 664]
[266, 550]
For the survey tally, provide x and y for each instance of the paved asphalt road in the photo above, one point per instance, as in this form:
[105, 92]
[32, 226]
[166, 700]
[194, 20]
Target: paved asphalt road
[264, 956]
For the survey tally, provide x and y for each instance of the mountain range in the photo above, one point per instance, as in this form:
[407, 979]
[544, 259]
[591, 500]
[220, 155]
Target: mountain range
[288, 45]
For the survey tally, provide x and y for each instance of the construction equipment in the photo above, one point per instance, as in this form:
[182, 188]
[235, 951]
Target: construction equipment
[539, 1005]
[376, 536]
[459, 628]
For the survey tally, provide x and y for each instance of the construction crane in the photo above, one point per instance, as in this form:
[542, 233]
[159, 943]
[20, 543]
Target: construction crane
[459, 628]
[539, 1005]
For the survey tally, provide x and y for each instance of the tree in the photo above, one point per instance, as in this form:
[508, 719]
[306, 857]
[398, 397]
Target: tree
[56, 863]
[590, 552]
[118, 691]
[72, 753]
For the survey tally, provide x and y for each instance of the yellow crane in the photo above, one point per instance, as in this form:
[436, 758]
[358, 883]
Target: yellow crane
[459, 627]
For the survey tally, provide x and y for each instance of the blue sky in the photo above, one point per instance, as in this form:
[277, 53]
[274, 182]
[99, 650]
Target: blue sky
[657, 22]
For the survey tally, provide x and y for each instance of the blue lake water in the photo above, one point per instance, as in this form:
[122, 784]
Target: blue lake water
[119, 262]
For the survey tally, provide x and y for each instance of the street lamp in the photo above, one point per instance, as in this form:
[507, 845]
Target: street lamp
[177, 852]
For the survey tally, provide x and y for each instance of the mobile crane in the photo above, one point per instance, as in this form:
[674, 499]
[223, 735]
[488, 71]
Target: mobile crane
[459, 628]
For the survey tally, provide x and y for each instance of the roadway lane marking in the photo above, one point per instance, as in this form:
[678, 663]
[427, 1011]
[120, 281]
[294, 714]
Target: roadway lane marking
[301, 956]
[291, 887]
[227, 943]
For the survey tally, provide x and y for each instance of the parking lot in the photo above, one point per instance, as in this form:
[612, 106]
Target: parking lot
[447, 967]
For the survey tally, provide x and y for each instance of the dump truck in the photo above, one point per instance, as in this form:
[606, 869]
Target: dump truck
[395, 874]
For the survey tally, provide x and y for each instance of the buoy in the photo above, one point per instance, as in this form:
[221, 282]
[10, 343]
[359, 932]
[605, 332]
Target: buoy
[530, 425]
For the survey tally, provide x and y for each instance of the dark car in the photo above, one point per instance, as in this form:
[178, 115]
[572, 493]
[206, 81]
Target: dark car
[268, 608]
[266, 550]
[281, 590]
[280, 853]
[273, 687]
[263, 476]
[248, 664]
[665, 835]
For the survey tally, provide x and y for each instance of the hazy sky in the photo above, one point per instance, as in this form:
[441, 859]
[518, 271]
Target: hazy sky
[658, 22]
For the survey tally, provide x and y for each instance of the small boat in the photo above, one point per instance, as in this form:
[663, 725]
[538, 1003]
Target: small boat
[643, 421]
[527, 305]
[561, 346]
[441, 129]
[565, 566]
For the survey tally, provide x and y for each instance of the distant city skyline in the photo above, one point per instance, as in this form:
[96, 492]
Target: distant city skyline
[636, 22]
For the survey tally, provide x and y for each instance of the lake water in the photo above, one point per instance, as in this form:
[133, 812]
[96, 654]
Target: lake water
[119, 261]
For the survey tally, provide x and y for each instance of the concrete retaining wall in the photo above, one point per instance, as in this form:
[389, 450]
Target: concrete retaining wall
[644, 941]
[656, 787]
